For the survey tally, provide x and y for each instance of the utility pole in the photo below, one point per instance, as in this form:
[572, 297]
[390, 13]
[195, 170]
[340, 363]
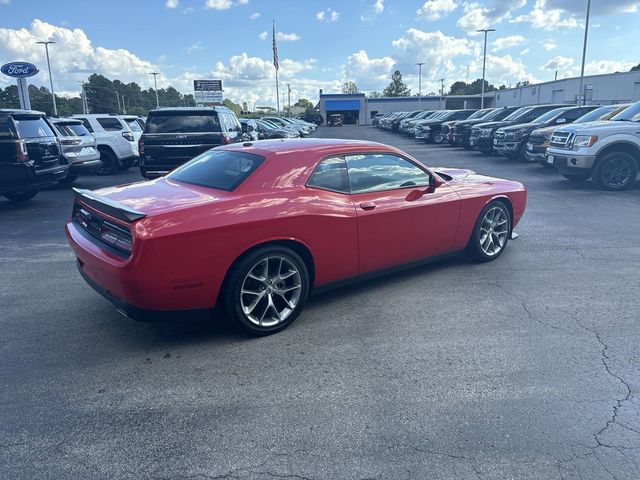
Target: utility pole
[289, 99]
[53, 95]
[82, 97]
[155, 84]
[124, 108]
[118, 98]
[419, 83]
[442, 93]
[584, 54]
[484, 60]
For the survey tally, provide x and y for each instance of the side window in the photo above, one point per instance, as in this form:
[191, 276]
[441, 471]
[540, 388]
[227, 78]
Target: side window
[110, 124]
[87, 124]
[572, 114]
[5, 128]
[377, 172]
[224, 123]
[330, 174]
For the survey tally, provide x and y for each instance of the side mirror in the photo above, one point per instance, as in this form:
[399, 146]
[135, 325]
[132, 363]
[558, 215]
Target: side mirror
[434, 183]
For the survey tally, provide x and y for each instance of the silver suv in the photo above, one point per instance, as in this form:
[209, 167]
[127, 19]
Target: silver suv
[608, 152]
[78, 147]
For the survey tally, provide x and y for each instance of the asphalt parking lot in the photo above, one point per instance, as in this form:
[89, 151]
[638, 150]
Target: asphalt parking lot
[523, 368]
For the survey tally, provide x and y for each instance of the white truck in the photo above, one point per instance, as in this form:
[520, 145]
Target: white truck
[607, 152]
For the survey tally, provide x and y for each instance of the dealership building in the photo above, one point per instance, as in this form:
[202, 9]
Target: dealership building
[606, 89]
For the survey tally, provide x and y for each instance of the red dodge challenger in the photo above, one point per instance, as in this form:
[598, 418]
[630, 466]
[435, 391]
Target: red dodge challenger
[256, 227]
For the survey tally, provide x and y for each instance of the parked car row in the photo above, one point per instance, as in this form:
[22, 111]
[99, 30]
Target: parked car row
[601, 143]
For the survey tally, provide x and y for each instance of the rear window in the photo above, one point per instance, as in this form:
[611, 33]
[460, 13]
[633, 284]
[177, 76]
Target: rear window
[219, 169]
[187, 123]
[63, 130]
[110, 124]
[134, 125]
[32, 127]
[78, 129]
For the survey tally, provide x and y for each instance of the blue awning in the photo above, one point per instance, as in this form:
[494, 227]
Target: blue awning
[333, 105]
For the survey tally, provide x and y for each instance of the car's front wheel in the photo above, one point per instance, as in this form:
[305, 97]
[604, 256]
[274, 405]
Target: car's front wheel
[491, 232]
[615, 171]
[109, 163]
[266, 290]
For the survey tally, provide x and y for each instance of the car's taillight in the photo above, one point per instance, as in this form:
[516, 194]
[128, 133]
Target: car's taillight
[116, 236]
[70, 141]
[128, 136]
[21, 151]
[141, 147]
[225, 140]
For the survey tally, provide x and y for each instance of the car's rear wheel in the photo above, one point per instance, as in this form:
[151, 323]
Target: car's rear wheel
[125, 164]
[21, 196]
[109, 163]
[491, 232]
[266, 290]
[615, 171]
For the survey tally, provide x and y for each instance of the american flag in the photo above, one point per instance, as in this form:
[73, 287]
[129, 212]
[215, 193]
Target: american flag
[275, 49]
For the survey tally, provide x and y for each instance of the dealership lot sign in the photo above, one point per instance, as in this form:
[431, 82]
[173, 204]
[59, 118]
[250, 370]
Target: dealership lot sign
[207, 92]
[19, 69]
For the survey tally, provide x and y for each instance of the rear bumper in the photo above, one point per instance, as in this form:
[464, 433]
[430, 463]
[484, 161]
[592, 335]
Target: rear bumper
[136, 284]
[22, 177]
[84, 165]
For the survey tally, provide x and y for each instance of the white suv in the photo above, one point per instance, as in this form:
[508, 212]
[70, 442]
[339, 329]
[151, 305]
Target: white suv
[117, 140]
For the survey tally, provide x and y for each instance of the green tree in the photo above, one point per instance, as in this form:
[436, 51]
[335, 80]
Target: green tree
[349, 88]
[397, 88]
[306, 104]
[375, 94]
[523, 83]
[232, 106]
[635, 69]
[472, 88]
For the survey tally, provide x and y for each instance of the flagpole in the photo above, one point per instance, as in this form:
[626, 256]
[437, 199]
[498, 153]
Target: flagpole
[276, 65]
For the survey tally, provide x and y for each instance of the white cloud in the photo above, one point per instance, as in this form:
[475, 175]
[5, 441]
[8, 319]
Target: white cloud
[287, 37]
[558, 63]
[435, 9]
[525, 51]
[502, 70]
[367, 73]
[607, 7]
[171, 3]
[254, 16]
[195, 47]
[550, 45]
[328, 15]
[596, 67]
[263, 35]
[503, 43]
[477, 16]
[376, 9]
[548, 18]
[218, 4]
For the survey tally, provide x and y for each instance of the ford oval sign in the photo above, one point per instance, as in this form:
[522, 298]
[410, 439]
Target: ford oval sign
[19, 69]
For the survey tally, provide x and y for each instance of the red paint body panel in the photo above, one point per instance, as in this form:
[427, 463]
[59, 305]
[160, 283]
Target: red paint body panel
[191, 235]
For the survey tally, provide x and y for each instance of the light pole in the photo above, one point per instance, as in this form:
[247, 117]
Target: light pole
[53, 95]
[584, 54]
[484, 61]
[419, 82]
[155, 83]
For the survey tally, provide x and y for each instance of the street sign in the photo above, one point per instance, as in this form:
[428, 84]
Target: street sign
[207, 85]
[207, 97]
[19, 69]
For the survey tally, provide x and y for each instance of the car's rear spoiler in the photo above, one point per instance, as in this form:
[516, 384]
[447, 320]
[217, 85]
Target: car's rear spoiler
[108, 206]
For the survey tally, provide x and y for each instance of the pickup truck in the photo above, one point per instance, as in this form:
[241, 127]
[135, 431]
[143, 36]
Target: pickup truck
[608, 152]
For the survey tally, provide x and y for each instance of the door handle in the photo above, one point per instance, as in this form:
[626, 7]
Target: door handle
[367, 206]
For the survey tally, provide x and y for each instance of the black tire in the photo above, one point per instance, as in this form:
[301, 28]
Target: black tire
[577, 178]
[21, 196]
[68, 179]
[109, 163]
[238, 274]
[615, 171]
[522, 154]
[474, 247]
[437, 138]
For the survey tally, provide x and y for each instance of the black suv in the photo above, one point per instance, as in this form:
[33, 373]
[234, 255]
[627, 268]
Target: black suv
[462, 135]
[312, 118]
[173, 136]
[30, 155]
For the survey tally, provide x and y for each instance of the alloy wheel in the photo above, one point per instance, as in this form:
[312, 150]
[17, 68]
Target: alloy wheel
[616, 173]
[270, 291]
[494, 230]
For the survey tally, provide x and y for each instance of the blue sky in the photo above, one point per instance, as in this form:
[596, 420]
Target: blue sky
[322, 44]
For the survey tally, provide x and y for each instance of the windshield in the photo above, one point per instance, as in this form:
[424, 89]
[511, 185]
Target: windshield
[596, 114]
[518, 114]
[631, 114]
[550, 115]
[478, 114]
[183, 123]
[219, 169]
[32, 127]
